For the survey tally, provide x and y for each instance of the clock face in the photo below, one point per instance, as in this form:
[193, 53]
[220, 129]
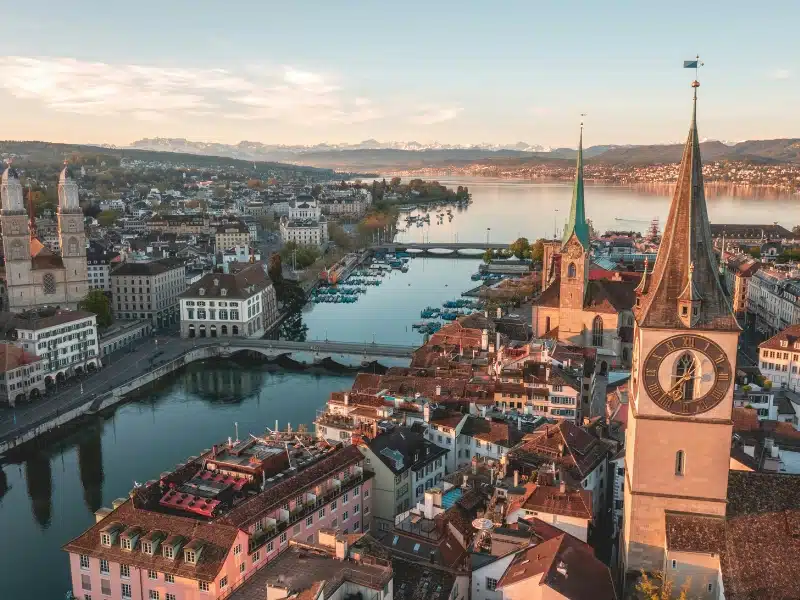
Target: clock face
[687, 374]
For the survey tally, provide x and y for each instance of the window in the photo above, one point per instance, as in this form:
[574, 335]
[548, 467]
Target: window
[257, 554]
[103, 565]
[155, 595]
[333, 505]
[366, 493]
[125, 543]
[345, 498]
[356, 508]
[237, 549]
[270, 547]
[309, 520]
[674, 564]
[223, 583]
[170, 596]
[572, 272]
[202, 586]
[321, 513]
[87, 597]
[152, 574]
[84, 561]
[86, 582]
[168, 552]
[241, 567]
[710, 587]
[680, 462]
[125, 571]
[126, 590]
[283, 538]
[345, 516]
[105, 539]
[491, 584]
[597, 331]
[169, 578]
[355, 491]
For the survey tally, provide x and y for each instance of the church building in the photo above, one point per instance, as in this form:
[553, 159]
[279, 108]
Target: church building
[576, 308]
[722, 533]
[35, 276]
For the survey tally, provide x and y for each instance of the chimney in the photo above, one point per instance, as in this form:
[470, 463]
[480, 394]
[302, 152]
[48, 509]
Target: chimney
[438, 390]
[562, 487]
[342, 547]
[485, 340]
[433, 500]
[474, 466]
[465, 482]
[346, 399]
[499, 313]
[562, 568]
[433, 556]
[497, 338]
[426, 412]
[516, 478]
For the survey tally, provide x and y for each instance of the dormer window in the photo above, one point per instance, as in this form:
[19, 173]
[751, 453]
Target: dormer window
[169, 552]
[190, 556]
[125, 543]
[784, 343]
[202, 291]
[147, 547]
[223, 292]
[105, 539]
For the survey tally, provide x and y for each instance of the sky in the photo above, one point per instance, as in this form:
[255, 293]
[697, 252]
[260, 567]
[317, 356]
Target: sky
[466, 72]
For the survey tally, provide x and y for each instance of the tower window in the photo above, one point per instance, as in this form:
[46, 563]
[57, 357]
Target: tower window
[680, 462]
[572, 271]
[597, 331]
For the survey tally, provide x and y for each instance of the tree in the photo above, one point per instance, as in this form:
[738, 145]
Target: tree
[488, 256]
[395, 182]
[520, 248]
[267, 222]
[339, 236]
[275, 268]
[107, 218]
[796, 230]
[660, 587]
[254, 184]
[97, 302]
[537, 250]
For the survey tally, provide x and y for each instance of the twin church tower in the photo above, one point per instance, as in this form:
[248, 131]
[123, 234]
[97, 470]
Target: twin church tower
[35, 276]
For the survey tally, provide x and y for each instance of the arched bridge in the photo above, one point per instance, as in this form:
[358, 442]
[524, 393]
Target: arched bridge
[430, 247]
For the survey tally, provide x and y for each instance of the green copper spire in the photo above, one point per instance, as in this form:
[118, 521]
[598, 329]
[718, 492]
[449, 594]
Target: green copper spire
[577, 213]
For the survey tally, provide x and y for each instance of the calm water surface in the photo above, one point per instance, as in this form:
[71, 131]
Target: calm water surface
[51, 494]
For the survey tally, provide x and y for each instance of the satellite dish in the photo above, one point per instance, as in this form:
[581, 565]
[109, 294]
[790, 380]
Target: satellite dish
[482, 524]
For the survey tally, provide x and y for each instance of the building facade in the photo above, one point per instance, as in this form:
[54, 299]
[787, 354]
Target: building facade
[98, 265]
[148, 290]
[21, 375]
[36, 276]
[305, 224]
[773, 298]
[240, 303]
[779, 358]
[231, 236]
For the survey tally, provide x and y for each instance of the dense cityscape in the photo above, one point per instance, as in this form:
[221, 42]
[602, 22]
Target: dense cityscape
[498, 458]
[399, 301]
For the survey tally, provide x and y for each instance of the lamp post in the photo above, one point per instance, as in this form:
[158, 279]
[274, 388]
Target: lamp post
[488, 229]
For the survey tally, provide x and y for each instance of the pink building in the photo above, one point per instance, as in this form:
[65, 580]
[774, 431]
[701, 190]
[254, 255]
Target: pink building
[204, 529]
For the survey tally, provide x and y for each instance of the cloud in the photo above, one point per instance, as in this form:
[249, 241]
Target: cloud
[429, 115]
[539, 111]
[156, 93]
[780, 74]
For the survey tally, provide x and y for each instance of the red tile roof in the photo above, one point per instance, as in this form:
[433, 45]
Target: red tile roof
[790, 336]
[12, 357]
[217, 539]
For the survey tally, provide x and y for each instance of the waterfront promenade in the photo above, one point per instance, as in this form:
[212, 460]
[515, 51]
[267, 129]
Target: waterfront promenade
[150, 353]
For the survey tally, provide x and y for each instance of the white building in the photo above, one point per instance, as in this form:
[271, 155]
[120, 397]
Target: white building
[305, 224]
[568, 509]
[779, 358]
[773, 297]
[241, 303]
[98, 269]
[65, 340]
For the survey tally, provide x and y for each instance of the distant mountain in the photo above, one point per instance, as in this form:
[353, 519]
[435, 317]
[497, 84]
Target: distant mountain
[373, 154]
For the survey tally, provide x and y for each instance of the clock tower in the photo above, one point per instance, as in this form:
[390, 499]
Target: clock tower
[677, 444]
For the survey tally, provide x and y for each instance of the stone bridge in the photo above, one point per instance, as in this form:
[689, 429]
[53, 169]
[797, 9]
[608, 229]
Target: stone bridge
[439, 248]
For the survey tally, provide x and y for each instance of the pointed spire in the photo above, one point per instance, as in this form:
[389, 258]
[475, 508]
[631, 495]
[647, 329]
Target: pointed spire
[686, 269]
[644, 284]
[577, 212]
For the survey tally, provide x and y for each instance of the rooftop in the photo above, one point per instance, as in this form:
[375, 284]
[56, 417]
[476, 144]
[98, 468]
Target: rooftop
[153, 267]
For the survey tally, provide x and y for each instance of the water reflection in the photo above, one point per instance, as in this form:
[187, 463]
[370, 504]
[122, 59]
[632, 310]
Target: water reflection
[90, 465]
[39, 479]
[4, 487]
[223, 385]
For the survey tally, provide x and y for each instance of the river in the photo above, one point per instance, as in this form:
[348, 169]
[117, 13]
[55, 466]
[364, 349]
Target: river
[49, 496]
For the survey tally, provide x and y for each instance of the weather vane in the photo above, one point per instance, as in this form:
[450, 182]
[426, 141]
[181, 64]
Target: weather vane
[694, 64]
[582, 115]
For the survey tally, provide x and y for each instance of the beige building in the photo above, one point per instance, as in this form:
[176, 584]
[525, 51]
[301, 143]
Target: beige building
[148, 290]
[779, 359]
[576, 310]
[35, 275]
[232, 235]
[20, 375]
[738, 269]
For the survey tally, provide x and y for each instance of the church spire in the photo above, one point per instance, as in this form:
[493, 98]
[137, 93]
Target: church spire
[684, 289]
[577, 212]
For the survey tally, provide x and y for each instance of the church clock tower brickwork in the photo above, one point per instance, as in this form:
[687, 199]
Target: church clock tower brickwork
[72, 237]
[677, 445]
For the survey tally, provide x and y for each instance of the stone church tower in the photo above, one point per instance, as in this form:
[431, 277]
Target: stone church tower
[678, 440]
[575, 261]
[72, 237]
[36, 277]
